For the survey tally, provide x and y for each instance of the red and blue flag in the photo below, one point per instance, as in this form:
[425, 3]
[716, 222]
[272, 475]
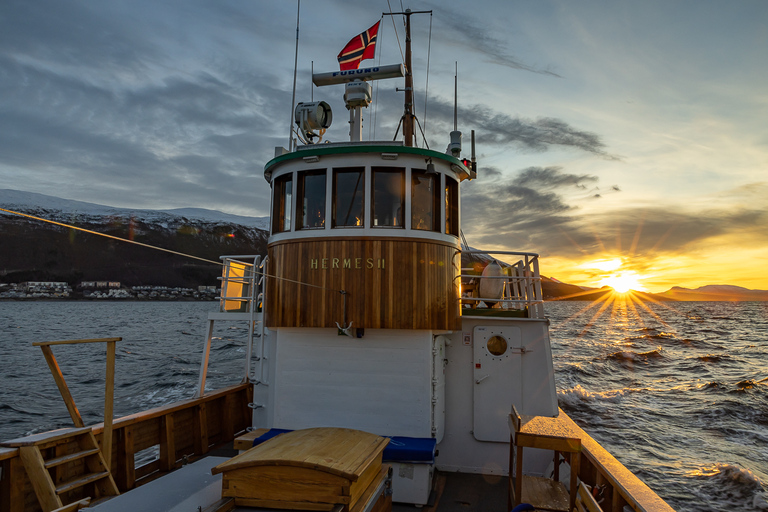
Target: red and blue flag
[361, 47]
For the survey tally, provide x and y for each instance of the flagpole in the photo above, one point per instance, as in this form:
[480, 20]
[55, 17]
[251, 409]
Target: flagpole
[295, 71]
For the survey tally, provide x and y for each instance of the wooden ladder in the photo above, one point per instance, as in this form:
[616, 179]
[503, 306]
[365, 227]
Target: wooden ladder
[65, 467]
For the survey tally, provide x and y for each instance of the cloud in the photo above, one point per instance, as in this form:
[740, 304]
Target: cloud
[552, 177]
[536, 210]
[474, 33]
[496, 128]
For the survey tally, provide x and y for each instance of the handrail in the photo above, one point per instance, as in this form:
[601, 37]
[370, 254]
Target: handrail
[522, 289]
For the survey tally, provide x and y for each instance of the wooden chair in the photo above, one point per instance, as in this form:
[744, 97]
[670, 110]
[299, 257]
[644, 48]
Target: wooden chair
[585, 502]
[541, 492]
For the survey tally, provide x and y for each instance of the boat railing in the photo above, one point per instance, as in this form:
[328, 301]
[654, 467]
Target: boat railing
[521, 283]
[146, 445]
[242, 299]
[241, 284]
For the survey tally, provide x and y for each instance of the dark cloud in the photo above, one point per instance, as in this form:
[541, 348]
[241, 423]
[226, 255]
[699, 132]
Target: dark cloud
[552, 177]
[474, 33]
[496, 128]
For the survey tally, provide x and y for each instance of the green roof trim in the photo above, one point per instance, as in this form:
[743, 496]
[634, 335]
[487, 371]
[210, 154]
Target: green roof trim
[320, 150]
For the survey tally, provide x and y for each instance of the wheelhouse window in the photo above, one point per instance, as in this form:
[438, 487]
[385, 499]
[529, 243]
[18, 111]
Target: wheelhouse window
[281, 203]
[310, 194]
[348, 197]
[451, 206]
[387, 206]
[425, 201]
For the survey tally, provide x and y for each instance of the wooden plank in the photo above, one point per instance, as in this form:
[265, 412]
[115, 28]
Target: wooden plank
[125, 476]
[109, 396]
[333, 450]
[368, 493]
[80, 482]
[97, 464]
[284, 483]
[223, 505]
[423, 295]
[62, 385]
[40, 478]
[585, 501]
[245, 441]
[290, 505]
[167, 443]
[12, 485]
[158, 412]
[75, 506]
[74, 342]
[46, 438]
[544, 442]
[50, 463]
[201, 429]
[8, 453]
[544, 493]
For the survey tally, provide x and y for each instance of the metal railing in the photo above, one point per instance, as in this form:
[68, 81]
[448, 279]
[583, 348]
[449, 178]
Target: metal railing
[521, 282]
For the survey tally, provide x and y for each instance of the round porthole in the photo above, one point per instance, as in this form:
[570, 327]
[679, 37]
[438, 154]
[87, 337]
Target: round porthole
[497, 345]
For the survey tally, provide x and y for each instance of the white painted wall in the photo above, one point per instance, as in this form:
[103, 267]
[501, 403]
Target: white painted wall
[459, 449]
[380, 383]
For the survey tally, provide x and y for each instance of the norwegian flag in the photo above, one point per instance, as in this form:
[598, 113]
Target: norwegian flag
[361, 47]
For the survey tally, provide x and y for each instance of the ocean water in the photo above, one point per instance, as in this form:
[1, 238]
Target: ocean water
[678, 392]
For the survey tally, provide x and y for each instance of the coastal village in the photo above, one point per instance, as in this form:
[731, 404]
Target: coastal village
[103, 290]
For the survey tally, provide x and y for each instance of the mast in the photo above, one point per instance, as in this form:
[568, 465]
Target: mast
[408, 108]
[408, 116]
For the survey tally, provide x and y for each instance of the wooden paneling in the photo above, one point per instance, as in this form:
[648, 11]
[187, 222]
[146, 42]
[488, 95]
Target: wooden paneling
[176, 428]
[389, 284]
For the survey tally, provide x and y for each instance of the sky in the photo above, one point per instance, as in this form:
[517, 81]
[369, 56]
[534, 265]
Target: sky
[614, 138]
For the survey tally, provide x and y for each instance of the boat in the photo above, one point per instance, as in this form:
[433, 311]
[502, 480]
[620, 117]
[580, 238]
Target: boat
[375, 372]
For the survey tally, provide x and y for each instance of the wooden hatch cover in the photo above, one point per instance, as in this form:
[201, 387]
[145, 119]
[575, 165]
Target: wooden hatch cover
[311, 469]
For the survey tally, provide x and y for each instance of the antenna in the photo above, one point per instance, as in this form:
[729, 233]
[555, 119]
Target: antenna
[456, 97]
[295, 71]
[454, 148]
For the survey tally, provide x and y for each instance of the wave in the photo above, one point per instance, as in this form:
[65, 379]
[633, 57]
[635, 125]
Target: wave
[713, 358]
[578, 393]
[734, 484]
[627, 356]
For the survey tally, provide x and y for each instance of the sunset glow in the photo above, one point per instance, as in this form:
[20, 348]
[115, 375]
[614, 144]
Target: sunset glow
[623, 282]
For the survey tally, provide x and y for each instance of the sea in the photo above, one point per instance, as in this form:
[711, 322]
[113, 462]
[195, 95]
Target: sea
[678, 392]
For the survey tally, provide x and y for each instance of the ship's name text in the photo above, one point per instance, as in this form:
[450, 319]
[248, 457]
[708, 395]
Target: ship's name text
[369, 263]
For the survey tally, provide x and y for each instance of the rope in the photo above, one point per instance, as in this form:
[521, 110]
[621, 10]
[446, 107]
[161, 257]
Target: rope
[160, 248]
[111, 236]
[397, 36]
[426, 86]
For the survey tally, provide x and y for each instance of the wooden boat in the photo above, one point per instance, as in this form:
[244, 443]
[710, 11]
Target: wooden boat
[370, 348]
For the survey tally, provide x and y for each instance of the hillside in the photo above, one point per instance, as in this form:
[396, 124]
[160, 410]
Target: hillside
[715, 292]
[37, 251]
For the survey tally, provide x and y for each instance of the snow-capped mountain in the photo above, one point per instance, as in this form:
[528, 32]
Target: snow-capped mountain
[30, 202]
[32, 250]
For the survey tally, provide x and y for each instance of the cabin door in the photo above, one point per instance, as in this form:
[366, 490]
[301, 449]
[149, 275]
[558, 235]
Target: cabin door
[497, 380]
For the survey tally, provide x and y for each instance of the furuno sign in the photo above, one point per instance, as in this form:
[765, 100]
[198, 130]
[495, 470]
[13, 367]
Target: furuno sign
[351, 263]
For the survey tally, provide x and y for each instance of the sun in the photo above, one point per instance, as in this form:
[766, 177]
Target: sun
[623, 281]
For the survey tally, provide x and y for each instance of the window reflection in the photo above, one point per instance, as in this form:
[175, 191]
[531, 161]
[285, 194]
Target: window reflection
[311, 200]
[281, 204]
[348, 195]
[425, 201]
[451, 206]
[388, 194]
